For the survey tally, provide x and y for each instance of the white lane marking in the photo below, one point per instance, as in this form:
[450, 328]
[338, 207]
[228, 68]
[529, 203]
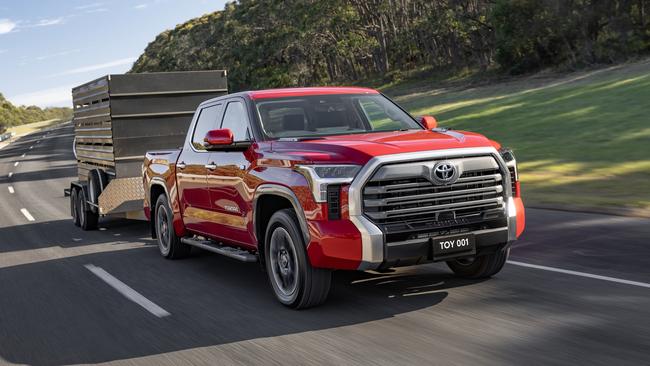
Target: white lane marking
[127, 291]
[16, 163]
[581, 274]
[11, 189]
[27, 214]
[11, 174]
[421, 293]
[31, 147]
[23, 155]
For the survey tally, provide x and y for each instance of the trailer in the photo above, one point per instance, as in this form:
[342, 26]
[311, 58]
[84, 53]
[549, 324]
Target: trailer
[117, 118]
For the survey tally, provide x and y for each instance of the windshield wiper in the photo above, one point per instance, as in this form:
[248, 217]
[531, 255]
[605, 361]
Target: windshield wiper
[298, 139]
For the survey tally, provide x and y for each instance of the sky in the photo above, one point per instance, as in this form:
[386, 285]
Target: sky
[49, 46]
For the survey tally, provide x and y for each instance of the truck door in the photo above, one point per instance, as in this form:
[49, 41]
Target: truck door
[231, 187]
[191, 172]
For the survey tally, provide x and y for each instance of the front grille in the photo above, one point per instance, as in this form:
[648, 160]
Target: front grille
[405, 204]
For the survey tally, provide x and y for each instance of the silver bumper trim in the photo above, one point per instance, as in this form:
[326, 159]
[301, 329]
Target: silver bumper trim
[372, 238]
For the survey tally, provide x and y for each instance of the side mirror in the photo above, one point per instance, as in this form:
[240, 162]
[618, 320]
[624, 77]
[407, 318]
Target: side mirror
[221, 137]
[428, 122]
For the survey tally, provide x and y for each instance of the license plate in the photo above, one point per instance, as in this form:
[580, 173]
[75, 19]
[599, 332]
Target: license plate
[457, 244]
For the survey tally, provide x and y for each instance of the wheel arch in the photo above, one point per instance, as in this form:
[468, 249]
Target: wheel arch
[268, 199]
[156, 190]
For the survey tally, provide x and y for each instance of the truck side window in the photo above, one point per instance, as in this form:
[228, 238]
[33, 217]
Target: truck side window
[378, 117]
[208, 120]
[236, 119]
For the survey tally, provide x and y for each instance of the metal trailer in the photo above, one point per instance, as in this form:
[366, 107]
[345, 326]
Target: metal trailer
[117, 118]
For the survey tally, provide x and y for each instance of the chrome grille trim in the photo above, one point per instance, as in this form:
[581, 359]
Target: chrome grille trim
[415, 186]
[372, 236]
[462, 193]
[432, 209]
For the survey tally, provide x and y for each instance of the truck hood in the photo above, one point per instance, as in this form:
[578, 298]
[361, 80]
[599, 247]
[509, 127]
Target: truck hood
[359, 148]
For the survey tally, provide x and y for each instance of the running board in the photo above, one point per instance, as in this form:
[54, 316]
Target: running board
[240, 255]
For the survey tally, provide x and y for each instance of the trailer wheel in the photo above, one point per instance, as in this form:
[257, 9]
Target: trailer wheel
[87, 218]
[169, 243]
[74, 206]
[96, 182]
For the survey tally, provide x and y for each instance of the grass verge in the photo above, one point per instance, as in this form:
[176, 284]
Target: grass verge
[581, 139]
[31, 127]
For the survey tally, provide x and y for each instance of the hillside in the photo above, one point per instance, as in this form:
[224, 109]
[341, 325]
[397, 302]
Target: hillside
[265, 43]
[582, 139]
[11, 115]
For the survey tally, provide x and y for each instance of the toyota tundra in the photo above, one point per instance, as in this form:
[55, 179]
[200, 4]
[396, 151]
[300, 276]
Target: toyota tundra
[310, 180]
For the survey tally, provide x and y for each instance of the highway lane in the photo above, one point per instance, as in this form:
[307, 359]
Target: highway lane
[54, 310]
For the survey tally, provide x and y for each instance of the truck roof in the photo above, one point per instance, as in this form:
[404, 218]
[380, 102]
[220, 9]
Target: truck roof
[294, 92]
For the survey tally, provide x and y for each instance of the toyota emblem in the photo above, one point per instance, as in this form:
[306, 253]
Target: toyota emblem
[444, 172]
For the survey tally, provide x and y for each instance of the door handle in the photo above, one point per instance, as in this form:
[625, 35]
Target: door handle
[211, 166]
[181, 165]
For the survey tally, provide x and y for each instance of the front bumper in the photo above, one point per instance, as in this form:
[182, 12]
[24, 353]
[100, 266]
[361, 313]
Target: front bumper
[341, 244]
[358, 243]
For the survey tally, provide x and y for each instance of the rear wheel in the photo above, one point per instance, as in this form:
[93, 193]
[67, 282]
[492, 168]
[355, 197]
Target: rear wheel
[96, 182]
[74, 206]
[480, 267]
[87, 218]
[169, 243]
[295, 282]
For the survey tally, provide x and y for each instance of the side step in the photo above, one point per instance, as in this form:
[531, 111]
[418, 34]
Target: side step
[240, 255]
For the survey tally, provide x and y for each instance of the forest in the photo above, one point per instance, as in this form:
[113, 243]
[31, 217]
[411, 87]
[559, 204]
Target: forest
[273, 43]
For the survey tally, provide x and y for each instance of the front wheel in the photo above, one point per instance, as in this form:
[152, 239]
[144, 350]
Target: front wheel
[295, 282]
[480, 267]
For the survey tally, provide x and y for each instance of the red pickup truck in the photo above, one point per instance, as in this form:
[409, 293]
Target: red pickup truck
[310, 180]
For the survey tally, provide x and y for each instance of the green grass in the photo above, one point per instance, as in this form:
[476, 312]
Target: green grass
[581, 139]
[31, 127]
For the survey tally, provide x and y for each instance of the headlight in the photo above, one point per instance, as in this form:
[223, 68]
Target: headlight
[320, 176]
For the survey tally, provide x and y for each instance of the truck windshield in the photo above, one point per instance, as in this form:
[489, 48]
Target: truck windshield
[323, 115]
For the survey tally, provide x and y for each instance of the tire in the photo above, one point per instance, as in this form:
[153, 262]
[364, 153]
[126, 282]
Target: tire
[480, 267]
[87, 218]
[169, 243]
[74, 206]
[294, 281]
[97, 181]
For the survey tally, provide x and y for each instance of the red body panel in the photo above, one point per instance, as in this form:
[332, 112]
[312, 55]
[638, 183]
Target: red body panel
[295, 92]
[334, 244]
[218, 202]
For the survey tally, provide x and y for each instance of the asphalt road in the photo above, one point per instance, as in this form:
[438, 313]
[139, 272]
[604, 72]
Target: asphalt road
[54, 310]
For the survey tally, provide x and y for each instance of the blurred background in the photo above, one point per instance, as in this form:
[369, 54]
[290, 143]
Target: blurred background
[564, 83]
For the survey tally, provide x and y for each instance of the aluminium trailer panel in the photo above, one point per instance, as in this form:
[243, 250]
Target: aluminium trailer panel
[118, 118]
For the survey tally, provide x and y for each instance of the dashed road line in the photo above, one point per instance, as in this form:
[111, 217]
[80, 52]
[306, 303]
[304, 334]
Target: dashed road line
[127, 291]
[11, 174]
[16, 163]
[27, 215]
[11, 189]
[31, 147]
[581, 274]
[23, 155]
